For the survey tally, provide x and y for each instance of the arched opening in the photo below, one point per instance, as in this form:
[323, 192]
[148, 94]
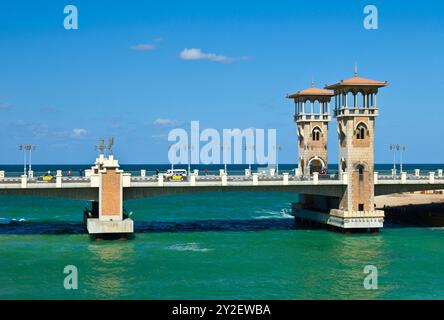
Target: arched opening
[360, 168]
[307, 106]
[350, 100]
[317, 107]
[316, 165]
[361, 131]
[342, 140]
[361, 176]
[316, 134]
[343, 165]
[361, 100]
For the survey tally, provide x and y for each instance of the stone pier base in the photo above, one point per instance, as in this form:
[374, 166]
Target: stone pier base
[373, 219]
[96, 226]
[340, 219]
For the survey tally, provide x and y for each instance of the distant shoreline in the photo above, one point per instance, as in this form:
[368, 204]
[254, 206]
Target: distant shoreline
[413, 208]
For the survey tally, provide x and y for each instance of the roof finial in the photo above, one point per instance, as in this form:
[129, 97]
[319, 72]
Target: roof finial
[312, 82]
[356, 69]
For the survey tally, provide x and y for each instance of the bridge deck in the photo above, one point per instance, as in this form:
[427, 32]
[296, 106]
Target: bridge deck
[138, 186]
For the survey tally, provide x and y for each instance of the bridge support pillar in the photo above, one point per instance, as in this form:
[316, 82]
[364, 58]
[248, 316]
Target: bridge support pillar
[109, 217]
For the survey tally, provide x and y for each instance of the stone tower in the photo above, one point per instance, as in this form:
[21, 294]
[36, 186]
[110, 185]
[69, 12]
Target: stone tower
[312, 115]
[355, 110]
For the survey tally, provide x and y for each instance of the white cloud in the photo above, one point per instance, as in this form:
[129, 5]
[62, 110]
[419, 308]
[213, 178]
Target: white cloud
[166, 122]
[198, 54]
[143, 47]
[79, 133]
[4, 106]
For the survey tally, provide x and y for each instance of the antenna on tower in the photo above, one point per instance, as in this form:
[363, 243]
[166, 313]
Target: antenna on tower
[110, 144]
[356, 69]
[101, 145]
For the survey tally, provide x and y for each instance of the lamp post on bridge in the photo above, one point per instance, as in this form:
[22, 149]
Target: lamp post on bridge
[393, 148]
[188, 148]
[402, 150]
[23, 148]
[225, 149]
[248, 149]
[30, 148]
[277, 148]
[27, 148]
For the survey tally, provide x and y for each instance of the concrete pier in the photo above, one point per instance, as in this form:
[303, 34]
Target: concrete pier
[107, 216]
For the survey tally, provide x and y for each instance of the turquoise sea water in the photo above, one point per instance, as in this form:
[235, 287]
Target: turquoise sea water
[205, 246]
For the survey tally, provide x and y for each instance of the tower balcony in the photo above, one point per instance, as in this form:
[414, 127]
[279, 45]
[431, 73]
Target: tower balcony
[312, 117]
[356, 111]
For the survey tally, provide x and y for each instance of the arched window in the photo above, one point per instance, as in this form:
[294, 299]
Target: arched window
[316, 134]
[361, 131]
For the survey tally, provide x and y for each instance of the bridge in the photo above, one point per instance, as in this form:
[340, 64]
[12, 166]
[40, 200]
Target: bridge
[344, 200]
[320, 192]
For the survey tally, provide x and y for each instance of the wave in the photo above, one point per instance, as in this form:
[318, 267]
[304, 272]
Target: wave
[11, 221]
[192, 246]
[282, 214]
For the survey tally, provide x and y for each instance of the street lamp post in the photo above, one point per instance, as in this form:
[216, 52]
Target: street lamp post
[23, 148]
[189, 148]
[225, 149]
[277, 148]
[393, 148]
[401, 149]
[30, 148]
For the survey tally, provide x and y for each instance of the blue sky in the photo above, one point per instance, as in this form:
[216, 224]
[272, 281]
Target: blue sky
[121, 72]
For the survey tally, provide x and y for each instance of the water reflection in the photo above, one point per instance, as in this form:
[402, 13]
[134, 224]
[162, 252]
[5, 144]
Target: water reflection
[350, 254]
[111, 264]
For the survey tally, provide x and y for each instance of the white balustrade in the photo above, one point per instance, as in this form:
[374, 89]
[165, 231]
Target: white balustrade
[160, 180]
[58, 178]
[315, 177]
[192, 179]
[24, 180]
[224, 179]
[431, 177]
[255, 179]
[403, 177]
[285, 179]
